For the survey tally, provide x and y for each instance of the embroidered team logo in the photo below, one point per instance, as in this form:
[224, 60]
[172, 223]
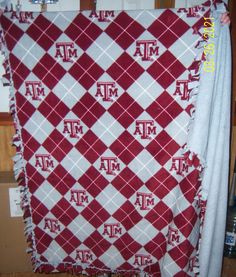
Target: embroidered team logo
[35, 90]
[112, 230]
[173, 236]
[73, 128]
[79, 197]
[44, 161]
[192, 12]
[110, 165]
[66, 51]
[179, 165]
[84, 256]
[107, 90]
[146, 49]
[142, 260]
[182, 89]
[102, 16]
[145, 128]
[52, 225]
[144, 200]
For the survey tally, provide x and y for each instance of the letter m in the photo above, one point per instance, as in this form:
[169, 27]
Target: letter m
[72, 53]
[154, 51]
[40, 91]
[113, 92]
[28, 15]
[175, 237]
[49, 163]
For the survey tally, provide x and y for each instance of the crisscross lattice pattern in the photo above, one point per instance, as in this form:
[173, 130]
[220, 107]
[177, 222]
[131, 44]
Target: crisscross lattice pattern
[103, 103]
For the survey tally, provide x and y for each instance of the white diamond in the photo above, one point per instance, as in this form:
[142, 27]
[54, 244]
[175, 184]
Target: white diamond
[104, 51]
[39, 127]
[48, 195]
[112, 258]
[27, 50]
[107, 129]
[110, 199]
[145, 166]
[81, 228]
[145, 90]
[143, 232]
[54, 253]
[75, 163]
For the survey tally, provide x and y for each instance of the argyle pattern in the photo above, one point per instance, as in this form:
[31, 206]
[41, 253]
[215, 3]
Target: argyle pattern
[102, 106]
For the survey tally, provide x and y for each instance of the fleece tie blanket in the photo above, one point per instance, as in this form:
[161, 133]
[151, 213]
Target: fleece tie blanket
[117, 114]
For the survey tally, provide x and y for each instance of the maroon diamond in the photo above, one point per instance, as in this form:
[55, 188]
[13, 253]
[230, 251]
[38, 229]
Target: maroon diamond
[11, 28]
[83, 31]
[44, 32]
[61, 180]
[124, 30]
[53, 109]
[186, 220]
[86, 71]
[166, 69]
[64, 212]
[49, 71]
[125, 70]
[127, 250]
[127, 215]
[91, 146]
[160, 216]
[125, 110]
[93, 181]
[88, 110]
[57, 145]
[19, 71]
[31, 145]
[126, 147]
[168, 28]
[127, 182]
[95, 214]
[181, 253]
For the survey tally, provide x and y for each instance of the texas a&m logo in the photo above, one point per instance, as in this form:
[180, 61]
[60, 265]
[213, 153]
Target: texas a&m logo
[182, 89]
[73, 128]
[142, 260]
[84, 256]
[192, 12]
[34, 89]
[52, 225]
[102, 16]
[66, 51]
[44, 161]
[112, 230]
[173, 236]
[23, 17]
[144, 200]
[110, 165]
[106, 90]
[79, 197]
[146, 49]
[179, 164]
[145, 128]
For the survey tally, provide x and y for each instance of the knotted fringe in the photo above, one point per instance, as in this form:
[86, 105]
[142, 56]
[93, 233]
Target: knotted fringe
[18, 167]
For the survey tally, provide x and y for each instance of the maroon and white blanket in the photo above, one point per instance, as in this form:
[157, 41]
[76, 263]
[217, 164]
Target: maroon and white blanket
[102, 103]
